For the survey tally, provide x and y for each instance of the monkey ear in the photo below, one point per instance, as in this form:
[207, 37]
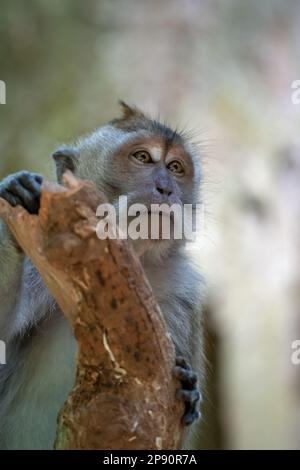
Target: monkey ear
[129, 112]
[66, 158]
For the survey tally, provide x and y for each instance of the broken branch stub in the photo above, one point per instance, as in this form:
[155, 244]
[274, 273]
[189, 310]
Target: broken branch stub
[125, 395]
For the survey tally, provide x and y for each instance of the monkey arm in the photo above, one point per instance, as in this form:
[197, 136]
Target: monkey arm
[22, 189]
[11, 267]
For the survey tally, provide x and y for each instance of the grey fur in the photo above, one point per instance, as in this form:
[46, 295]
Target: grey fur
[40, 346]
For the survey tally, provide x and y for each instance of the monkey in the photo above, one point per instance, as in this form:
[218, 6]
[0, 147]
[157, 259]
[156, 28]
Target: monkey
[131, 155]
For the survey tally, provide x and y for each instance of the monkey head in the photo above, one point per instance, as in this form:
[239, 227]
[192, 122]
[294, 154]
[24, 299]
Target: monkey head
[141, 158]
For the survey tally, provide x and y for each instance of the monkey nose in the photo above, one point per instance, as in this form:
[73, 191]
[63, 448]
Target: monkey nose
[164, 191]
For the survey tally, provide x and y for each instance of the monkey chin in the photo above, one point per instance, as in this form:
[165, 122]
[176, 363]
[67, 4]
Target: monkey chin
[155, 251]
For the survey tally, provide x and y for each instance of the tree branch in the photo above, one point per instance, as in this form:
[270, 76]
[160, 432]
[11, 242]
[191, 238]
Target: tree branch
[125, 395]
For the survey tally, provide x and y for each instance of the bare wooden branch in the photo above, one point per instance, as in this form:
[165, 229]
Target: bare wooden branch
[125, 395]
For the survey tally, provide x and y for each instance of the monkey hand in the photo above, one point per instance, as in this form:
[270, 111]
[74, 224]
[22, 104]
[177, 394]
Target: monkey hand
[22, 189]
[189, 391]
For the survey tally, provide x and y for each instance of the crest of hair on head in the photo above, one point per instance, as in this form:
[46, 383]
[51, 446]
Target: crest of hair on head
[129, 112]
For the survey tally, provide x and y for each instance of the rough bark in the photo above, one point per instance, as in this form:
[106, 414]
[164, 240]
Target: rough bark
[125, 395]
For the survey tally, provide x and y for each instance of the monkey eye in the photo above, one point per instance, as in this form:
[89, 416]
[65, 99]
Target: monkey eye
[176, 167]
[142, 156]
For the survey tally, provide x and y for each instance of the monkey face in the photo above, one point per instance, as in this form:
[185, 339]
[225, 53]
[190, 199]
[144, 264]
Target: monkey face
[140, 158]
[152, 171]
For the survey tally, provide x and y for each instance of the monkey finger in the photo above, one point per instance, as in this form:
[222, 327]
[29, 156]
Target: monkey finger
[187, 377]
[38, 178]
[28, 200]
[190, 417]
[32, 182]
[12, 199]
[189, 396]
[180, 361]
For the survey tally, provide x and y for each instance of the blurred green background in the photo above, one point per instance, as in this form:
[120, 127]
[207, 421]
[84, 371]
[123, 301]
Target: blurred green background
[223, 70]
